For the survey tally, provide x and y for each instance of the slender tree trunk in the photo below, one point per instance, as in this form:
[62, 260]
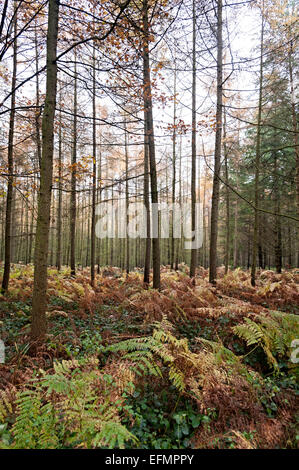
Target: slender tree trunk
[261, 225]
[236, 237]
[38, 111]
[204, 223]
[277, 223]
[257, 162]
[137, 238]
[227, 199]
[73, 208]
[88, 228]
[217, 154]
[289, 247]
[32, 223]
[52, 210]
[2, 232]
[27, 226]
[94, 177]
[296, 142]
[99, 197]
[193, 262]
[236, 215]
[112, 239]
[168, 240]
[127, 201]
[147, 93]
[173, 165]
[179, 244]
[10, 157]
[147, 258]
[39, 301]
[59, 208]
[20, 238]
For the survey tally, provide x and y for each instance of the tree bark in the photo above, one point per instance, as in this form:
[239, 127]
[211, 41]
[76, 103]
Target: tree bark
[257, 163]
[99, 197]
[127, 201]
[73, 206]
[39, 301]
[147, 94]
[59, 208]
[147, 259]
[217, 153]
[277, 223]
[227, 199]
[296, 142]
[38, 111]
[173, 165]
[193, 261]
[10, 158]
[94, 177]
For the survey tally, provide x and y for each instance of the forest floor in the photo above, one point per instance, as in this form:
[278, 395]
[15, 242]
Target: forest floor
[191, 366]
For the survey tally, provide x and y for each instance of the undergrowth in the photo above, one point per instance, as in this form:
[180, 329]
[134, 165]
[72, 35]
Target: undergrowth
[191, 366]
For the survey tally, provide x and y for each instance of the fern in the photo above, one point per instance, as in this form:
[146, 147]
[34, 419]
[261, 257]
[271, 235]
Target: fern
[5, 406]
[34, 426]
[250, 331]
[274, 333]
[113, 435]
[73, 407]
[147, 352]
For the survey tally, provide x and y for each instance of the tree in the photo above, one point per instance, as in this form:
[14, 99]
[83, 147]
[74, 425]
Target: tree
[73, 181]
[59, 208]
[94, 176]
[217, 152]
[257, 160]
[10, 158]
[148, 107]
[39, 300]
[193, 146]
[296, 140]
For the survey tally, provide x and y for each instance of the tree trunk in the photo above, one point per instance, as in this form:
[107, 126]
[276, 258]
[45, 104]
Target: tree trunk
[227, 221]
[10, 157]
[277, 223]
[59, 209]
[127, 201]
[38, 111]
[179, 244]
[73, 208]
[173, 165]
[147, 259]
[99, 197]
[257, 162]
[147, 94]
[39, 301]
[217, 154]
[193, 261]
[94, 177]
[296, 142]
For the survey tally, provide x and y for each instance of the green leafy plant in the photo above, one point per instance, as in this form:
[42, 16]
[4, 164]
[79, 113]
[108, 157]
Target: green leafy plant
[274, 333]
[146, 352]
[77, 406]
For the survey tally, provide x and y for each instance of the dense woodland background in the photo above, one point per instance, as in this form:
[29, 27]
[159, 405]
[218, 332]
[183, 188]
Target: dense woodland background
[150, 101]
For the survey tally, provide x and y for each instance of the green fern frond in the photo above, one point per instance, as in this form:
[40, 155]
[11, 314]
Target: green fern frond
[5, 406]
[249, 331]
[274, 332]
[113, 435]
